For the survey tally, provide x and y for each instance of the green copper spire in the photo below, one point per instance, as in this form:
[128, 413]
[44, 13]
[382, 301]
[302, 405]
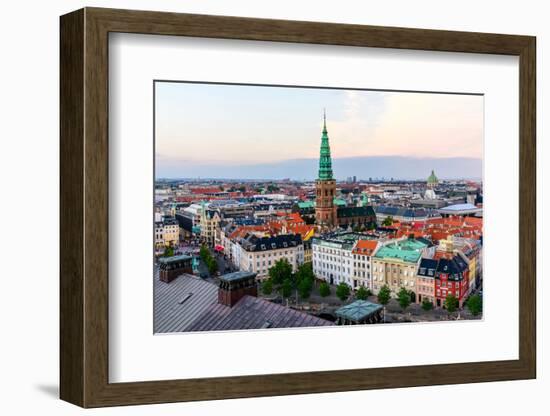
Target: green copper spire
[325, 162]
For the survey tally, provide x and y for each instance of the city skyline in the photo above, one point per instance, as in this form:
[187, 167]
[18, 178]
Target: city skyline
[267, 132]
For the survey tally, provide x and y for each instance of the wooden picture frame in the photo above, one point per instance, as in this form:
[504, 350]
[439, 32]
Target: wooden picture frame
[84, 207]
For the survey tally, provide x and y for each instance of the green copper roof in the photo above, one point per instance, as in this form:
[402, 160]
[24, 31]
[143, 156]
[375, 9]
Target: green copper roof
[339, 202]
[432, 178]
[325, 162]
[306, 204]
[408, 250]
[358, 310]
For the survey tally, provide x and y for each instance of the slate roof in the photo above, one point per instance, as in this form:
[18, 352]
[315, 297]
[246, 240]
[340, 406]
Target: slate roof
[178, 304]
[166, 260]
[189, 303]
[169, 221]
[453, 267]
[255, 243]
[427, 268]
[405, 212]
[253, 313]
[346, 212]
[358, 310]
[232, 277]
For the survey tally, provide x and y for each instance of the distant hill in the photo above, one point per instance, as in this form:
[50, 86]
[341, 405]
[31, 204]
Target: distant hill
[362, 167]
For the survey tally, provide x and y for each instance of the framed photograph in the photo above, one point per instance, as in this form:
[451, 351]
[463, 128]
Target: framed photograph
[254, 207]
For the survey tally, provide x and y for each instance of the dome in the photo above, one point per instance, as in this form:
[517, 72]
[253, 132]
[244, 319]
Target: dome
[432, 179]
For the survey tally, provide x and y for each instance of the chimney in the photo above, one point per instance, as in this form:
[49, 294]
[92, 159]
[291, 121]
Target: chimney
[234, 286]
[172, 267]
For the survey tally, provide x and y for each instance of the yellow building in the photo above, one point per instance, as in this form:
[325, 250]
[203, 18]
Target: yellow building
[210, 223]
[468, 250]
[166, 233]
[396, 264]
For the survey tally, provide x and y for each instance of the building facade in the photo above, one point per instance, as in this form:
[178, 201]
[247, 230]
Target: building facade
[166, 233]
[332, 257]
[395, 265]
[451, 278]
[362, 263]
[258, 254]
[425, 281]
[210, 222]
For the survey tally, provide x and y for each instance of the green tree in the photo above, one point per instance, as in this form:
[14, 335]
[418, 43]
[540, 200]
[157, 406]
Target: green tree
[362, 293]
[286, 288]
[324, 289]
[204, 253]
[212, 265]
[280, 271]
[451, 303]
[304, 272]
[387, 221]
[384, 295]
[267, 287]
[304, 287]
[168, 251]
[427, 305]
[474, 304]
[404, 298]
[342, 291]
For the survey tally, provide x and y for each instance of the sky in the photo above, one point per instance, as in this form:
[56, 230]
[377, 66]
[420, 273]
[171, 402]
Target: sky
[221, 130]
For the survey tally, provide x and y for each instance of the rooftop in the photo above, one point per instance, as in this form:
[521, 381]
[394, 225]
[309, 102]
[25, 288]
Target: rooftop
[358, 310]
[235, 276]
[173, 259]
[179, 303]
[253, 313]
[365, 247]
[460, 207]
[408, 250]
[255, 243]
[306, 204]
[189, 303]
[341, 240]
[427, 268]
[346, 212]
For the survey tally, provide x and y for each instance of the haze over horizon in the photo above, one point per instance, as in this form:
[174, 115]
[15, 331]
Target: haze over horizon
[240, 131]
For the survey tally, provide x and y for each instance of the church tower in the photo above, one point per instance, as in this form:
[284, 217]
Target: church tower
[325, 211]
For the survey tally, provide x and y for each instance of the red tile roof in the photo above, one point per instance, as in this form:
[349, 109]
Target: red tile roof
[365, 247]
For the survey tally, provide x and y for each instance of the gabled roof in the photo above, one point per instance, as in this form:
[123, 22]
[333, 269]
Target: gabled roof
[365, 247]
[347, 212]
[177, 304]
[427, 268]
[253, 313]
[255, 243]
[453, 267]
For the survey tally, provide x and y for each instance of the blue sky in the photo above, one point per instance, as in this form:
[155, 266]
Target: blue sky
[217, 127]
